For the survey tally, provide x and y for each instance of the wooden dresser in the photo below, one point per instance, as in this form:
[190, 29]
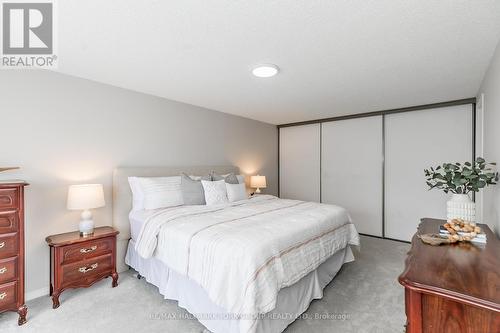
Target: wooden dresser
[452, 288]
[77, 261]
[12, 248]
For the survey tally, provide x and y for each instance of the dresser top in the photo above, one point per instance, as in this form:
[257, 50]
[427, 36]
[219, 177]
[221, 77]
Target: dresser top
[464, 272]
[12, 182]
[74, 237]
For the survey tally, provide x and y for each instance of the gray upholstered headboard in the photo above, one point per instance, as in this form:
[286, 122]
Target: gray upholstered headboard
[122, 197]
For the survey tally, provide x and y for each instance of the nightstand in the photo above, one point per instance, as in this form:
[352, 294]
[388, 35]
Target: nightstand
[77, 261]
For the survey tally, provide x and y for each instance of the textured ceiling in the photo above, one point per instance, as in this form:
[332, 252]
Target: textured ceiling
[336, 57]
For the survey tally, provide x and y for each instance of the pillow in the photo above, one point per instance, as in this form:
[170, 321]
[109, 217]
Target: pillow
[192, 190]
[161, 192]
[215, 192]
[230, 178]
[236, 192]
[241, 178]
[137, 195]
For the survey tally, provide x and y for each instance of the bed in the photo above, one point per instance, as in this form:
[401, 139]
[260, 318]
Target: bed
[249, 266]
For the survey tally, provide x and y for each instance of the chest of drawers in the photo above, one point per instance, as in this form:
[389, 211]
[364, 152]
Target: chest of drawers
[12, 248]
[452, 288]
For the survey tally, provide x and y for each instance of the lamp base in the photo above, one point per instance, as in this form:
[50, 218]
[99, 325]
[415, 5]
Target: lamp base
[257, 190]
[86, 225]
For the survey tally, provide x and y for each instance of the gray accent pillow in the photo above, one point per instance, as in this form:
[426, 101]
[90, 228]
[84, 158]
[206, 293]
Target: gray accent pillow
[230, 179]
[192, 190]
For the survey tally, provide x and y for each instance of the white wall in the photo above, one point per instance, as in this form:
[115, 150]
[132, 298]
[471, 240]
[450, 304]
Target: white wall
[490, 87]
[63, 130]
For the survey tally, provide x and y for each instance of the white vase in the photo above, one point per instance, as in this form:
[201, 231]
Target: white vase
[460, 206]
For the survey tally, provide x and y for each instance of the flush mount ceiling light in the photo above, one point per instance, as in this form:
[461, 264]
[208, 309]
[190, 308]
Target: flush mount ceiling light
[265, 70]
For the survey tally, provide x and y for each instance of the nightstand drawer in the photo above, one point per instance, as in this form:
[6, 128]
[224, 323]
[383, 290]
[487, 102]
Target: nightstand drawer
[8, 294]
[8, 198]
[8, 245]
[8, 269]
[84, 273]
[9, 221]
[86, 250]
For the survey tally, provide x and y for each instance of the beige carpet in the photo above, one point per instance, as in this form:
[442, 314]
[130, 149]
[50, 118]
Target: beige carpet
[365, 297]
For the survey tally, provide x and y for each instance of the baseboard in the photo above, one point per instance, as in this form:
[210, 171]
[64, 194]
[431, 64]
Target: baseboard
[36, 293]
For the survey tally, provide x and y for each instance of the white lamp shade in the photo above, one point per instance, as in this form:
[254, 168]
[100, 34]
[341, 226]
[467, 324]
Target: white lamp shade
[85, 196]
[258, 181]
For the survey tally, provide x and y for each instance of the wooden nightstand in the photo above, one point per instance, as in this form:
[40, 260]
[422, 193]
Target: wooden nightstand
[77, 261]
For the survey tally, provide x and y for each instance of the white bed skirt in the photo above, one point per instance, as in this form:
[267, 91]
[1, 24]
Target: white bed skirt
[292, 301]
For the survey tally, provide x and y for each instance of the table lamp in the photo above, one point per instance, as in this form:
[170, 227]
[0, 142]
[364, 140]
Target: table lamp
[85, 197]
[258, 182]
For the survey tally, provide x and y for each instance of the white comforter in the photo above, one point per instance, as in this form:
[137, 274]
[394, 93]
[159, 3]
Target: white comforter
[243, 253]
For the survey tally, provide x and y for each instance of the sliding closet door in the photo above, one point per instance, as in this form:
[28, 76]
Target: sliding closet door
[351, 167]
[415, 141]
[300, 162]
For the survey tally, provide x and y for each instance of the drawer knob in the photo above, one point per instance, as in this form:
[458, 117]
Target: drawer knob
[88, 269]
[3, 270]
[3, 295]
[2, 244]
[90, 249]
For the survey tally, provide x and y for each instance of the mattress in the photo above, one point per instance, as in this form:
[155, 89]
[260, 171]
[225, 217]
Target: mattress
[292, 301]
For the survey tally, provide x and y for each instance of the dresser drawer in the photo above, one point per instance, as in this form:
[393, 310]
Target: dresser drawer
[9, 221]
[8, 269]
[8, 295]
[8, 245]
[90, 249]
[84, 273]
[8, 198]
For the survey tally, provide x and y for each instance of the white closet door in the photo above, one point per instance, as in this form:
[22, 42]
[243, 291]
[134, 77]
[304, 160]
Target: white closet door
[415, 141]
[351, 167]
[300, 162]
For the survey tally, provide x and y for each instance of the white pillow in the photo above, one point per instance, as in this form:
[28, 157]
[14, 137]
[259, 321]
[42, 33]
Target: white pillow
[161, 192]
[236, 192]
[137, 195]
[215, 192]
